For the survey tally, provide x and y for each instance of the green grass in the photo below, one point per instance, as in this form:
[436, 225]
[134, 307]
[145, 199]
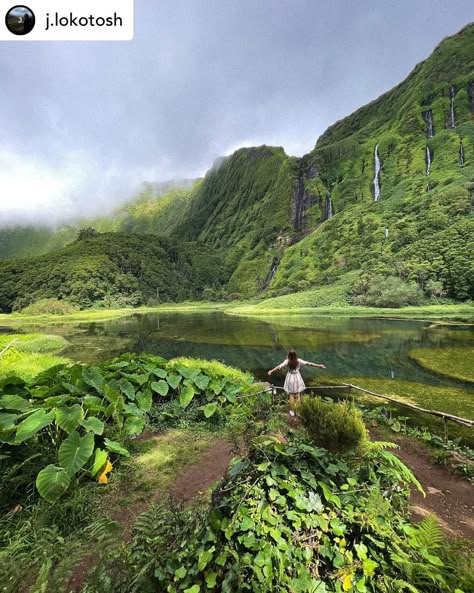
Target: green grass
[30, 354]
[36, 342]
[453, 400]
[450, 362]
[156, 464]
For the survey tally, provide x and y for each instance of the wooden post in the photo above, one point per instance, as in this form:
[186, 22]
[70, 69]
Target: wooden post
[445, 422]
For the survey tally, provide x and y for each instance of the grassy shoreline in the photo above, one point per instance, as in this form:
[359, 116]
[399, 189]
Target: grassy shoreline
[437, 313]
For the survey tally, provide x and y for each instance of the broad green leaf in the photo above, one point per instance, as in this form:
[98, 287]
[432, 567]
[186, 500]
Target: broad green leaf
[201, 381]
[160, 387]
[93, 424]
[52, 482]
[33, 424]
[56, 401]
[100, 458]
[14, 402]
[180, 572]
[210, 409]
[193, 589]
[7, 421]
[173, 380]
[186, 396]
[133, 410]
[75, 451]
[144, 400]
[187, 372]
[93, 403]
[69, 417]
[133, 426]
[216, 386]
[161, 373]
[369, 567]
[128, 389]
[93, 377]
[211, 579]
[74, 389]
[116, 448]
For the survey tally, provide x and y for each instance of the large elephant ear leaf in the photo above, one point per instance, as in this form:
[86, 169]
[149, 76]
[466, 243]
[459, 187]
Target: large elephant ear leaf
[210, 409]
[133, 426]
[100, 459]
[115, 447]
[75, 451]
[93, 377]
[52, 482]
[69, 417]
[14, 402]
[187, 372]
[33, 424]
[93, 424]
[161, 387]
[144, 400]
[173, 380]
[201, 381]
[186, 395]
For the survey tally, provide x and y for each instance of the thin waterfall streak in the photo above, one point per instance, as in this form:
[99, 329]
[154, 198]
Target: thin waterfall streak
[376, 174]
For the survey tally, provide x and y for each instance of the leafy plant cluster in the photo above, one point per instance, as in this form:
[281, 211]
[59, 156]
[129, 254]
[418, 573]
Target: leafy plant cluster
[292, 517]
[337, 427]
[78, 417]
[442, 448]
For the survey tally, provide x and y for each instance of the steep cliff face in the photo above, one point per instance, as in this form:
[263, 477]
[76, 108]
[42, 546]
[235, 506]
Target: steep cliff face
[404, 162]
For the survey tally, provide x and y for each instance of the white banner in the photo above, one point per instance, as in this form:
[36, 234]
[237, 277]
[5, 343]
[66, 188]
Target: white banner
[67, 20]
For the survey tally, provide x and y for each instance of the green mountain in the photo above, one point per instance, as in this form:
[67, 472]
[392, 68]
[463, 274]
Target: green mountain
[112, 269]
[387, 191]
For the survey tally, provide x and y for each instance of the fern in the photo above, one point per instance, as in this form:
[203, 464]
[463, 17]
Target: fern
[404, 473]
[429, 534]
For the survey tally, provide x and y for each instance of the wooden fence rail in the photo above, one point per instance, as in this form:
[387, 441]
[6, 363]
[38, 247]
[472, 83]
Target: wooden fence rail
[349, 387]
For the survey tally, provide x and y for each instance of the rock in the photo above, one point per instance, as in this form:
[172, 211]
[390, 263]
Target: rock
[432, 490]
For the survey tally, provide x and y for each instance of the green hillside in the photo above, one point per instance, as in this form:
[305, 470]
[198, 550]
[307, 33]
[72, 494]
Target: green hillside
[111, 269]
[281, 224]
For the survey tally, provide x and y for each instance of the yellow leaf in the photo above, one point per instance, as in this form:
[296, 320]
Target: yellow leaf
[103, 479]
[347, 582]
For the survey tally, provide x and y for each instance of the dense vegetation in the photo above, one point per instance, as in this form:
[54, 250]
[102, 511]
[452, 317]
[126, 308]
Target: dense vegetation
[111, 270]
[283, 224]
[289, 515]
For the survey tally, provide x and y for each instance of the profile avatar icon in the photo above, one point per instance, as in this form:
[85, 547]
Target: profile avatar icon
[20, 20]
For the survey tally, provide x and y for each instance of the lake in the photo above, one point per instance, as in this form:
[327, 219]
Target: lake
[372, 353]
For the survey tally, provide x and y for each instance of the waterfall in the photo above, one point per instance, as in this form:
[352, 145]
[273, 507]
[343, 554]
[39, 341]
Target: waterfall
[428, 117]
[461, 154]
[428, 161]
[376, 174]
[386, 232]
[329, 212]
[451, 94]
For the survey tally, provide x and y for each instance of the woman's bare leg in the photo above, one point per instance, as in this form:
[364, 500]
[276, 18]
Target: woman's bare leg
[298, 398]
[292, 401]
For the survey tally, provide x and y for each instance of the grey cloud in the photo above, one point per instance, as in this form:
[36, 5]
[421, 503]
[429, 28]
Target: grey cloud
[201, 78]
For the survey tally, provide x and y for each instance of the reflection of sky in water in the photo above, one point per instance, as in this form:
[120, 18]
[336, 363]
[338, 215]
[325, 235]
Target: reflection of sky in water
[257, 345]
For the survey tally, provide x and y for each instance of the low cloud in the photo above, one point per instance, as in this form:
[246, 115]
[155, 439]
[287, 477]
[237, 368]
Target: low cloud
[84, 124]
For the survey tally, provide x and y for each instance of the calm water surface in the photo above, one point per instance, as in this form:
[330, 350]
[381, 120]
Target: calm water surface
[375, 348]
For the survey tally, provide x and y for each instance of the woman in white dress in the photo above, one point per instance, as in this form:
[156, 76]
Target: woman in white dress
[294, 384]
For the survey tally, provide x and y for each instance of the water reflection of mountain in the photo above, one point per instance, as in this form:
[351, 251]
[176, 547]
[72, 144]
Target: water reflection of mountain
[349, 347]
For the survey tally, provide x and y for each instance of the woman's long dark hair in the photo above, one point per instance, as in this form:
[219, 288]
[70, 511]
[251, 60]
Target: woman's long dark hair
[292, 360]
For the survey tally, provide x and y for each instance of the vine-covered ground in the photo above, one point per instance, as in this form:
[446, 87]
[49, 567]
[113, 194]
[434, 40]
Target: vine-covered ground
[114, 479]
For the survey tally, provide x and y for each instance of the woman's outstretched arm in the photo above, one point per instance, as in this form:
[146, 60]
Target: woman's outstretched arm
[312, 364]
[278, 367]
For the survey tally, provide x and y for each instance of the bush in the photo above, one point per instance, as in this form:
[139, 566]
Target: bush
[385, 291]
[49, 307]
[336, 427]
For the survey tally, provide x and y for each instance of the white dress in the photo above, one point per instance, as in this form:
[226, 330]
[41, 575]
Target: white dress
[294, 381]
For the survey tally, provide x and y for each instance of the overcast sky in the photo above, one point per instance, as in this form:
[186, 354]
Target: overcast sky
[83, 124]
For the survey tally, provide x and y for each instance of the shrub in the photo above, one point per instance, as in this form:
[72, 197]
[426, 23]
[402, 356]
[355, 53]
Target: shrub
[385, 291]
[336, 427]
[49, 307]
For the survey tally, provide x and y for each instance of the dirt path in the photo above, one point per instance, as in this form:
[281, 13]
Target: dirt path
[450, 497]
[191, 482]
